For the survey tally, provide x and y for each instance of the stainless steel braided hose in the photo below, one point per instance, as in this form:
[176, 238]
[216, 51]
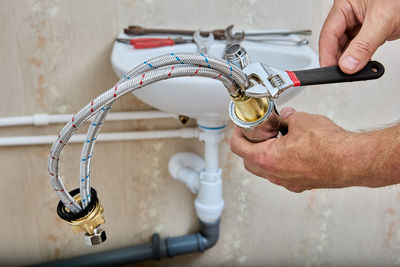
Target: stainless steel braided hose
[156, 69]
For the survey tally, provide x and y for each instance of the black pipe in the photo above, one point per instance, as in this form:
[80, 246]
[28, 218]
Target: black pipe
[155, 250]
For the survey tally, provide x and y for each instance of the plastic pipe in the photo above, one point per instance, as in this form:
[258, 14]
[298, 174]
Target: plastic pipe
[211, 156]
[186, 167]
[103, 137]
[209, 202]
[46, 119]
[155, 250]
[212, 138]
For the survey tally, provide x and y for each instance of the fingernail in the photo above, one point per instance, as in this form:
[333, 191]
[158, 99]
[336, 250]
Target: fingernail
[349, 63]
[286, 112]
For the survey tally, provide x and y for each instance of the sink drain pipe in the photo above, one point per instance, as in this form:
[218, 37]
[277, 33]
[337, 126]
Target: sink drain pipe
[206, 238]
[77, 210]
[208, 205]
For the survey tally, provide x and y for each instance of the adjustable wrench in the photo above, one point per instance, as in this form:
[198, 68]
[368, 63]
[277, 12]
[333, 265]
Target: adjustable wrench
[268, 82]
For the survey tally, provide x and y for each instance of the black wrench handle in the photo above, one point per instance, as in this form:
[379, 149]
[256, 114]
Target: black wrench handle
[333, 74]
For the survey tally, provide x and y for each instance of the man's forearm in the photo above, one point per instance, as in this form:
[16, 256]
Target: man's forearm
[372, 158]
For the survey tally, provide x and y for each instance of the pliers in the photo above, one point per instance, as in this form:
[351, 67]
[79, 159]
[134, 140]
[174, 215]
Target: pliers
[143, 43]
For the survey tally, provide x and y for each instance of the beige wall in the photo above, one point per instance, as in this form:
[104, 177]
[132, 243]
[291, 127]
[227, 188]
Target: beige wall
[55, 56]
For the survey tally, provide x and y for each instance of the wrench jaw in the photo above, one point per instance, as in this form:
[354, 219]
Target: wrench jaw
[233, 38]
[266, 81]
[203, 43]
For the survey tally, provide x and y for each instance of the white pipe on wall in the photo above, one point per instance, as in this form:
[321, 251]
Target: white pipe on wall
[46, 119]
[103, 137]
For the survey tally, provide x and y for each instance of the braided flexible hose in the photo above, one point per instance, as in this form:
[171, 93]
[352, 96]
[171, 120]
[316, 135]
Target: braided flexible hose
[137, 78]
[157, 62]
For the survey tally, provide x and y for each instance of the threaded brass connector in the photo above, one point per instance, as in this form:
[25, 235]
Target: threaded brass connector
[249, 109]
[89, 222]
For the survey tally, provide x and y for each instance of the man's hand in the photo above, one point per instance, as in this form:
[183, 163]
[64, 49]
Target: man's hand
[307, 157]
[354, 29]
[316, 153]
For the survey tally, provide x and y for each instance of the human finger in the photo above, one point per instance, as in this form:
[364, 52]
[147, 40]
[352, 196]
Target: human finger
[373, 34]
[334, 27]
[240, 145]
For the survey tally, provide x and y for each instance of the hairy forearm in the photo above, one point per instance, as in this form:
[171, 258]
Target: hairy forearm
[372, 159]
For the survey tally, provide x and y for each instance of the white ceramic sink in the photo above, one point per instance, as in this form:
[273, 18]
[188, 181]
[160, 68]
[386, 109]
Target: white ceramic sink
[202, 98]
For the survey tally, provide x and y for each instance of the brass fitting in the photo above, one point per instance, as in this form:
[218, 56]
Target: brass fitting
[249, 109]
[89, 222]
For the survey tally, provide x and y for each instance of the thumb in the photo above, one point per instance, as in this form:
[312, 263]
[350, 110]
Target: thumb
[362, 47]
[286, 112]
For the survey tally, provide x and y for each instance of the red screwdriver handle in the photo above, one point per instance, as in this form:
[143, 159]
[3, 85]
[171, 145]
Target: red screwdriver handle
[143, 43]
[141, 40]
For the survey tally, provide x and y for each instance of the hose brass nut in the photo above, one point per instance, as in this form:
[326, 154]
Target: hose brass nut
[88, 220]
[98, 237]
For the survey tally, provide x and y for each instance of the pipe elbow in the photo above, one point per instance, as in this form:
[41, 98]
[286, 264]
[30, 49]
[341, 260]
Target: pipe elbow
[209, 241]
[186, 167]
[210, 233]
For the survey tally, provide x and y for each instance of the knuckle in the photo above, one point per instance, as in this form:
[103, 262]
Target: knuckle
[382, 13]
[246, 165]
[290, 119]
[325, 35]
[295, 189]
[278, 182]
[296, 117]
[232, 145]
[363, 47]
[263, 159]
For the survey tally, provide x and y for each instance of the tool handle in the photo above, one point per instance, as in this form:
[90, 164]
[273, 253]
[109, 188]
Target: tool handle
[144, 43]
[138, 30]
[143, 40]
[333, 74]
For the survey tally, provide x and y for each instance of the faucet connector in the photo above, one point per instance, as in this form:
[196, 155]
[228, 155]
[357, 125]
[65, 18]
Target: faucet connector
[237, 55]
[88, 220]
[249, 109]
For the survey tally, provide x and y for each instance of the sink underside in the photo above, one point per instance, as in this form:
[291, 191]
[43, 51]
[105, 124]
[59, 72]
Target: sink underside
[200, 97]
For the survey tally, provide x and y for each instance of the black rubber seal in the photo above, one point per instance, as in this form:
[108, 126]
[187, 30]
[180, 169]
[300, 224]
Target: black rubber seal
[68, 215]
[156, 246]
